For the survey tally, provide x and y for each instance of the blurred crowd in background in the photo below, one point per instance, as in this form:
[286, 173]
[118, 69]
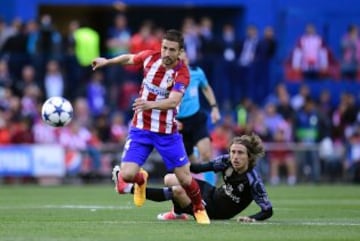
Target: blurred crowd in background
[310, 138]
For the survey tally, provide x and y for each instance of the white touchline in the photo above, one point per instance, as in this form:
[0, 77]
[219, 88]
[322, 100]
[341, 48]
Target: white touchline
[87, 207]
[308, 223]
[69, 206]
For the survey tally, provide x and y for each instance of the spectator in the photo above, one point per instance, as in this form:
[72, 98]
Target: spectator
[352, 162]
[15, 49]
[207, 49]
[118, 128]
[308, 131]
[310, 56]
[350, 53]
[102, 128]
[32, 32]
[44, 133]
[265, 52]
[281, 156]
[192, 39]
[5, 134]
[96, 94]
[118, 38]
[246, 85]
[118, 42]
[28, 77]
[144, 39]
[298, 100]
[284, 108]
[87, 47]
[5, 77]
[221, 135]
[5, 33]
[22, 134]
[228, 49]
[54, 80]
[82, 112]
[29, 101]
[272, 119]
[257, 124]
[48, 44]
[73, 72]
[78, 138]
[274, 96]
[325, 102]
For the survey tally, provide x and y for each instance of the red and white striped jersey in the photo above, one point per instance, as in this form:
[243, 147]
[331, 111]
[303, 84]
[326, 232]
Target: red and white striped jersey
[157, 84]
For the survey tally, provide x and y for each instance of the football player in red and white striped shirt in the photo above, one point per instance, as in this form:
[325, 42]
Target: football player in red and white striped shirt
[153, 126]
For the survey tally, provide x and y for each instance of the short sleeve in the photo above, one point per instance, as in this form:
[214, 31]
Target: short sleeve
[141, 56]
[202, 79]
[182, 79]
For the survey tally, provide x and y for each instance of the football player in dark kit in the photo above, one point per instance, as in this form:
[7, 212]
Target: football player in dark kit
[241, 186]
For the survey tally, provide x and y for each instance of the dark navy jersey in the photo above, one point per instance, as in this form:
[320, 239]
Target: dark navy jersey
[237, 191]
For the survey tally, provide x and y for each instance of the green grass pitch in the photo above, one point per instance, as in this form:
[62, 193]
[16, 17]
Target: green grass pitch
[96, 212]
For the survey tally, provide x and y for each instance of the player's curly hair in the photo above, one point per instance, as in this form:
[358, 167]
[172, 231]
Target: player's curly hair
[176, 36]
[254, 146]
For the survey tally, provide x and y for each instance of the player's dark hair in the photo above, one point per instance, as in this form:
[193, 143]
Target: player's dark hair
[254, 146]
[175, 36]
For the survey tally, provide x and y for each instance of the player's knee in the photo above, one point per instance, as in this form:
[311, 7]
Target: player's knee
[177, 191]
[127, 175]
[167, 179]
[170, 180]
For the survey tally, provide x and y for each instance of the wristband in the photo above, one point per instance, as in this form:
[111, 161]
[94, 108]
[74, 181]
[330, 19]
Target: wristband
[213, 105]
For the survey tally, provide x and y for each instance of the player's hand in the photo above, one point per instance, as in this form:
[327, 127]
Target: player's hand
[98, 63]
[140, 105]
[215, 115]
[219, 163]
[245, 219]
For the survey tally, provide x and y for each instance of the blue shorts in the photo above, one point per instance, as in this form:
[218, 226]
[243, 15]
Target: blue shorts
[140, 143]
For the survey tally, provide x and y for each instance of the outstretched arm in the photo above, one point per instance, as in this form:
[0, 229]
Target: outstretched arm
[203, 167]
[260, 216]
[260, 196]
[123, 59]
[219, 164]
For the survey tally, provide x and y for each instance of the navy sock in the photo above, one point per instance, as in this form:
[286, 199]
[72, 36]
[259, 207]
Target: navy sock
[158, 194]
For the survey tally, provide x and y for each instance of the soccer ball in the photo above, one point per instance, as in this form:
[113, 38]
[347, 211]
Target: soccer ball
[57, 111]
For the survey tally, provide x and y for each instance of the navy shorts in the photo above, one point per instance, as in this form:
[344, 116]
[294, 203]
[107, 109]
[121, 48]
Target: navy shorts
[194, 129]
[140, 144]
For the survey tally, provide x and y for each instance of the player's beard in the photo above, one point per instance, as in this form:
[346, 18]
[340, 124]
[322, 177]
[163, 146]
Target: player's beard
[168, 61]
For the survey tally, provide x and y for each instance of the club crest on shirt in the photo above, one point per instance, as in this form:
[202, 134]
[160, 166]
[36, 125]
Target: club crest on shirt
[240, 187]
[169, 81]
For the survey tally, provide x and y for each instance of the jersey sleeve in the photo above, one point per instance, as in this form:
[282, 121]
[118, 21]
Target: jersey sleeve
[182, 79]
[141, 56]
[260, 197]
[219, 164]
[198, 168]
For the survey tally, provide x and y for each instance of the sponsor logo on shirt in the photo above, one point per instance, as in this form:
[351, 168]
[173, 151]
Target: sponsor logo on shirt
[156, 89]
